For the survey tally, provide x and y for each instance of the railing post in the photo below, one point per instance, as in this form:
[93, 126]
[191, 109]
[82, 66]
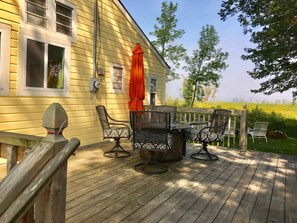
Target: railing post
[12, 157]
[243, 129]
[51, 205]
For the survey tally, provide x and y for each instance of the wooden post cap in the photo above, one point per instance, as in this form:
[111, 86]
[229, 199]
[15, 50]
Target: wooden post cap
[55, 119]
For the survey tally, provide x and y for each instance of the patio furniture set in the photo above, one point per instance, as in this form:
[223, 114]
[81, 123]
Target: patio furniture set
[159, 138]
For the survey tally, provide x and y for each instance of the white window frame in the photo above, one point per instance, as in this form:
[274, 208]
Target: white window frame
[50, 30]
[112, 66]
[47, 35]
[5, 40]
[149, 87]
[35, 91]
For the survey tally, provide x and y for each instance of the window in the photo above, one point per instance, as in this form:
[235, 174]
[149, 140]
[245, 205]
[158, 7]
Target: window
[117, 78]
[64, 19]
[153, 83]
[53, 16]
[46, 33]
[37, 75]
[44, 68]
[5, 35]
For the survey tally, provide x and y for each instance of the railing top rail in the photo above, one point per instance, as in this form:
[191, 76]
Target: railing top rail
[17, 139]
[205, 110]
[199, 110]
[19, 188]
[19, 177]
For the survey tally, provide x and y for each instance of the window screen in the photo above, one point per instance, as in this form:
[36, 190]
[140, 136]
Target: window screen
[64, 19]
[36, 12]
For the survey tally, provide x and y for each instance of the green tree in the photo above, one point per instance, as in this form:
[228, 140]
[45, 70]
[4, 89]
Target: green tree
[273, 28]
[166, 35]
[188, 91]
[206, 63]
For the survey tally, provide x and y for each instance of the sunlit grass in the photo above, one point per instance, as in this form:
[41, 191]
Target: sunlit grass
[288, 147]
[278, 146]
[286, 110]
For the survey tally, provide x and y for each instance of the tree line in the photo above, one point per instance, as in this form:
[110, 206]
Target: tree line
[273, 29]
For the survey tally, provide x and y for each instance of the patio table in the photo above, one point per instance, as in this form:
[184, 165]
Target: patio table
[178, 144]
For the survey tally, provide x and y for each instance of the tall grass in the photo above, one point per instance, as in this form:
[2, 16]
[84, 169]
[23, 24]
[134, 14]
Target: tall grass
[285, 110]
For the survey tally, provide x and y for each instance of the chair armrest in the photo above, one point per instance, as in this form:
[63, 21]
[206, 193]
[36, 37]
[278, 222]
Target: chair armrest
[211, 127]
[199, 123]
[119, 124]
[249, 130]
[115, 120]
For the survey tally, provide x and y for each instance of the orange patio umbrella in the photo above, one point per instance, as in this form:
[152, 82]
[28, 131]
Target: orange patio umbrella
[136, 85]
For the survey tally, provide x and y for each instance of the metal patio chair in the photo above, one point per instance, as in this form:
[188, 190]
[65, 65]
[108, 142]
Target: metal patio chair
[212, 132]
[259, 130]
[113, 129]
[151, 133]
[230, 131]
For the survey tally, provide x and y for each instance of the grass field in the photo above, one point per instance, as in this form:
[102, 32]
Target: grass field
[285, 110]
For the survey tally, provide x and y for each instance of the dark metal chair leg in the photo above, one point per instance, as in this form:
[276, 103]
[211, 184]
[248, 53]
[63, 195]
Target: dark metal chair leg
[117, 151]
[204, 154]
[151, 165]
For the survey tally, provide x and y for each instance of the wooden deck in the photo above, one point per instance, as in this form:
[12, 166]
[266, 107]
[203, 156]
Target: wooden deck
[250, 187]
[239, 187]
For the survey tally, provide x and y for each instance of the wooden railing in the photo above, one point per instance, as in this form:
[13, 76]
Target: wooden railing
[13, 146]
[238, 117]
[34, 189]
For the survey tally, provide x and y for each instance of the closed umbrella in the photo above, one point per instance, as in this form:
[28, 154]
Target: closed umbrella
[136, 85]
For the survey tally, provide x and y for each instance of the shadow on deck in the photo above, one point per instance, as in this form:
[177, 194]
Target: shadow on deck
[239, 187]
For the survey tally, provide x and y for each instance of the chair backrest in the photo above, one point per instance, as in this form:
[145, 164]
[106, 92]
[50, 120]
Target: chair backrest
[169, 109]
[260, 128]
[219, 120]
[230, 128]
[150, 130]
[103, 116]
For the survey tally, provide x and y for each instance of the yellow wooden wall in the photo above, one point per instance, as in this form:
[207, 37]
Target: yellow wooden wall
[117, 39]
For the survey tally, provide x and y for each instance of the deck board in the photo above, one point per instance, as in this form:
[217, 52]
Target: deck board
[252, 187]
[239, 187]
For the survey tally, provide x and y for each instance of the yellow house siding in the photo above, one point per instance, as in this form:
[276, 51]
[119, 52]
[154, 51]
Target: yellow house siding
[115, 43]
[9, 14]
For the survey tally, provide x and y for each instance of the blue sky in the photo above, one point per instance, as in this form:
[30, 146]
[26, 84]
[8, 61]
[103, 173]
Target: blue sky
[192, 15]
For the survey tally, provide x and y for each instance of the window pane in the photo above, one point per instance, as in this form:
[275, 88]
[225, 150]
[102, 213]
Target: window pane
[64, 19]
[35, 9]
[64, 10]
[36, 21]
[55, 75]
[35, 64]
[64, 29]
[36, 12]
[117, 78]
[38, 2]
[153, 99]
[153, 85]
